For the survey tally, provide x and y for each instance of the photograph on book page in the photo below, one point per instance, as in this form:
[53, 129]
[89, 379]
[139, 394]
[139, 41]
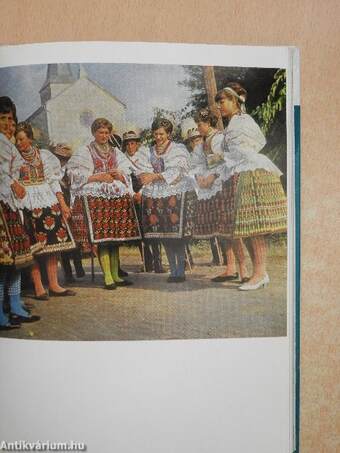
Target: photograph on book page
[143, 200]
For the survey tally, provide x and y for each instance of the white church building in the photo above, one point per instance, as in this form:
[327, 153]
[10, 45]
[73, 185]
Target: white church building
[69, 105]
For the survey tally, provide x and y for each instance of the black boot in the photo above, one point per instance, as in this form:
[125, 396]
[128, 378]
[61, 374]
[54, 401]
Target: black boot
[157, 258]
[78, 265]
[214, 252]
[148, 259]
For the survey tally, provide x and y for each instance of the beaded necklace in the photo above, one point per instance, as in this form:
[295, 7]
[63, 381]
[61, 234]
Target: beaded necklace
[103, 150]
[32, 156]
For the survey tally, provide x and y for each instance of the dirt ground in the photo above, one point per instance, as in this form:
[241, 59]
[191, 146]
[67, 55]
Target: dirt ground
[154, 309]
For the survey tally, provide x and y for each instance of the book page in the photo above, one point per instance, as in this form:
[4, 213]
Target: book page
[195, 346]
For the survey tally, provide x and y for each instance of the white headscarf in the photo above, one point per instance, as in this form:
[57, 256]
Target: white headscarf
[240, 98]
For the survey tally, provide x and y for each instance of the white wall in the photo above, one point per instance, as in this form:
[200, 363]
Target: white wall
[64, 112]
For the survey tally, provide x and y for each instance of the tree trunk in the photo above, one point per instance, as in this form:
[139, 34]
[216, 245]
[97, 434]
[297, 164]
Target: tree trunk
[210, 86]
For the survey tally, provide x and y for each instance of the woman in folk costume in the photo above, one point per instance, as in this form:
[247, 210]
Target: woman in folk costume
[15, 247]
[209, 168]
[150, 248]
[255, 201]
[192, 139]
[168, 197]
[45, 210]
[103, 210]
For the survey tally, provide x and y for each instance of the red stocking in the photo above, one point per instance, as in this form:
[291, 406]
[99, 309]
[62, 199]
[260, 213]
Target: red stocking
[36, 277]
[52, 274]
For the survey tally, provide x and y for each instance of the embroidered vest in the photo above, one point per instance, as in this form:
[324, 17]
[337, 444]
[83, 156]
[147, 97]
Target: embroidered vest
[32, 175]
[102, 164]
[156, 161]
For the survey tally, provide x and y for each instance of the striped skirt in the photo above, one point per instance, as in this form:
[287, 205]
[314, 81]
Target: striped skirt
[254, 203]
[207, 217]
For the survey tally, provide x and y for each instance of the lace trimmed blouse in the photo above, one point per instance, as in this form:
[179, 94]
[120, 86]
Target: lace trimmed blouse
[173, 165]
[42, 193]
[243, 141]
[200, 167]
[10, 162]
[81, 166]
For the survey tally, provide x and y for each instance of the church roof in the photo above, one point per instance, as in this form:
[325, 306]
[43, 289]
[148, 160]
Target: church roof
[61, 73]
[58, 73]
[35, 113]
[106, 92]
[97, 85]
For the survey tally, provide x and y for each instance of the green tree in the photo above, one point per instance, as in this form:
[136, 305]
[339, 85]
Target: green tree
[267, 111]
[271, 116]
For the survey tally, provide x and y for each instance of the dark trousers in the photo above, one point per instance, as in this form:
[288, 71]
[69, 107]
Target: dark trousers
[75, 256]
[152, 255]
[215, 257]
[175, 252]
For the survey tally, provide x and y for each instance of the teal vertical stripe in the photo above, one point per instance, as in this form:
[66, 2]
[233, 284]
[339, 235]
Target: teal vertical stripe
[297, 140]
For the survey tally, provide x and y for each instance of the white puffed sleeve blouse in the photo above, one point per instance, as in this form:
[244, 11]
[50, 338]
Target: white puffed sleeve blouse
[243, 141]
[43, 195]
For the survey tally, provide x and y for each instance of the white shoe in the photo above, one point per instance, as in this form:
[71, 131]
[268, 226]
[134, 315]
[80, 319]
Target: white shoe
[261, 284]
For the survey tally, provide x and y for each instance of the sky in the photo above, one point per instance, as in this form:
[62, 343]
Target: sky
[141, 87]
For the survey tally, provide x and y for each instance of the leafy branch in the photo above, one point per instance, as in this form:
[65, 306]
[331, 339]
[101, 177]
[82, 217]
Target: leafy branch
[276, 100]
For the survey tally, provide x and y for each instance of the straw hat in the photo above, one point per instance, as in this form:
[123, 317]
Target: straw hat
[131, 135]
[62, 150]
[189, 129]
